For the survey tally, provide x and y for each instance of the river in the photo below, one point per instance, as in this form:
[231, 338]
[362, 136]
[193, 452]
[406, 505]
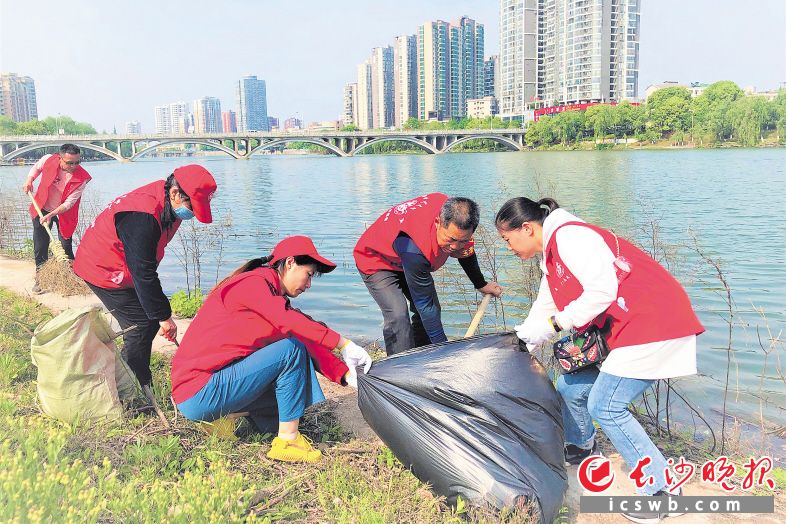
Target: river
[732, 200]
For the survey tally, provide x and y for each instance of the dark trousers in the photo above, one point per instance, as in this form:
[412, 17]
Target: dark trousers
[41, 241]
[124, 305]
[390, 291]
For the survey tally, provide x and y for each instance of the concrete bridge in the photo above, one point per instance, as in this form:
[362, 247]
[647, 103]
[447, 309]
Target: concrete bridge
[127, 148]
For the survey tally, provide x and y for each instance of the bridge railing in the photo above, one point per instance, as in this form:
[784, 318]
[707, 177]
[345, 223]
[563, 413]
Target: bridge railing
[255, 134]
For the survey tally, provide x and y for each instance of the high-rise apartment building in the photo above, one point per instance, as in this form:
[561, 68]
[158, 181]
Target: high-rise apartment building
[272, 122]
[405, 79]
[555, 52]
[491, 76]
[134, 128]
[179, 121]
[229, 121]
[364, 111]
[433, 70]
[349, 115]
[207, 115]
[18, 98]
[450, 67]
[161, 120]
[381, 87]
[466, 64]
[251, 104]
[293, 123]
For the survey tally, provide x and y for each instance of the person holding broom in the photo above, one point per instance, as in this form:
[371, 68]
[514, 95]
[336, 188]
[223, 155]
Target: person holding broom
[249, 350]
[120, 251]
[63, 180]
[397, 254]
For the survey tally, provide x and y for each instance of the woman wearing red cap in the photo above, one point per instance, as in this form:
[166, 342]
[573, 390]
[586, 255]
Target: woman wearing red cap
[120, 251]
[249, 350]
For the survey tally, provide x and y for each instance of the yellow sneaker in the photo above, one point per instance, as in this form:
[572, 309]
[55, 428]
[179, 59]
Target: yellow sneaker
[298, 450]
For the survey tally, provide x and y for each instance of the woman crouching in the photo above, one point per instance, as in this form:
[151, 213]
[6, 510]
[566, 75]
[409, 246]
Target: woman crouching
[249, 350]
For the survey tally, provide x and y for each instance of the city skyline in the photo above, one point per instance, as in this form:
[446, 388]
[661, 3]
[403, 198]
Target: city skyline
[696, 41]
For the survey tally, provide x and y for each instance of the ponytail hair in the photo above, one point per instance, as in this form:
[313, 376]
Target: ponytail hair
[256, 263]
[516, 211]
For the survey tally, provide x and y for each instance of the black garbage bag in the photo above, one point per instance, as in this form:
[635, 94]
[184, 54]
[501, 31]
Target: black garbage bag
[475, 418]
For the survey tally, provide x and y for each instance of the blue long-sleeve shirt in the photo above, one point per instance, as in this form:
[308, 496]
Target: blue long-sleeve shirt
[417, 272]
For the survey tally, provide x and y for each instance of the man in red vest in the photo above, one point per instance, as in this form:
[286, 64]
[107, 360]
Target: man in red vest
[397, 254]
[58, 196]
[120, 251]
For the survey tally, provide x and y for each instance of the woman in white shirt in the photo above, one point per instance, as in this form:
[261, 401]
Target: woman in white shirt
[593, 276]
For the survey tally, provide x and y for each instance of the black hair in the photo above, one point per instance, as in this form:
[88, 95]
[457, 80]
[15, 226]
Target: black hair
[70, 149]
[516, 211]
[168, 215]
[256, 263]
[461, 212]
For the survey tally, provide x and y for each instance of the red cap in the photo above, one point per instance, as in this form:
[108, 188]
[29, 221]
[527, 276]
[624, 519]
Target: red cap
[300, 245]
[199, 185]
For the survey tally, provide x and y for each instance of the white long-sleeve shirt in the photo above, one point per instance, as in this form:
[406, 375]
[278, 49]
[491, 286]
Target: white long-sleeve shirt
[55, 195]
[587, 256]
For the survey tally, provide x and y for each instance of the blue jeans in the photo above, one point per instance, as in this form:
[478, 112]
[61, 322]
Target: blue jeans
[278, 376]
[591, 394]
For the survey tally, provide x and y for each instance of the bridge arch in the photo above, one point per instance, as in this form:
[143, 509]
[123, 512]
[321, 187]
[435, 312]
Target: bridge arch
[39, 145]
[421, 143]
[281, 141]
[219, 146]
[497, 138]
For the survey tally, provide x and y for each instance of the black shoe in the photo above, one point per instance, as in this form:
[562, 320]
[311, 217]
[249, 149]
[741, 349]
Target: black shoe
[574, 454]
[644, 517]
[37, 290]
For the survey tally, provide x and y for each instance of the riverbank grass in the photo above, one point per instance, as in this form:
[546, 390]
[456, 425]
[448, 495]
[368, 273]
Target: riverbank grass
[140, 471]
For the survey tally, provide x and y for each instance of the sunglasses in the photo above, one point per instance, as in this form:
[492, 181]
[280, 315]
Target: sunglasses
[73, 163]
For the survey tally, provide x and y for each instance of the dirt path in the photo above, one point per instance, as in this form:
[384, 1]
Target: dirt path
[17, 276]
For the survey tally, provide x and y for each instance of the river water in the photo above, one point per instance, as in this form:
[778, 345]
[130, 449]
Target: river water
[733, 202]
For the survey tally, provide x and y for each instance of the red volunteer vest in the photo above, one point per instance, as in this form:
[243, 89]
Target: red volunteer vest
[651, 305]
[242, 316]
[100, 258]
[67, 220]
[374, 250]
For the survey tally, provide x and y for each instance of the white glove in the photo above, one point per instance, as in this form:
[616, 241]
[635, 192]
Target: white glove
[352, 378]
[355, 356]
[535, 331]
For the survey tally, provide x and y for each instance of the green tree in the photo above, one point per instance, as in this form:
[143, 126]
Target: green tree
[569, 126]
[669, 109]
[7, 126]
[749, 116]
[779, 114]
[599, 119]
[33, 127]
[412, 123]
[350, 128]
[710, 109]
[673, 114]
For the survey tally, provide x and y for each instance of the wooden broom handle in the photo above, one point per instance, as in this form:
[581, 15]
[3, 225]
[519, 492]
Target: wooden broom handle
[473, 326]
[40, 215]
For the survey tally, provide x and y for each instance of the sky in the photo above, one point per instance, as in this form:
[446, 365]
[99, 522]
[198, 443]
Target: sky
[108, 63]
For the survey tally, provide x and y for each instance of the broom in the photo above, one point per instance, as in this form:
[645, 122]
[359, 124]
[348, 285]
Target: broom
[56, 275]
[57, 250]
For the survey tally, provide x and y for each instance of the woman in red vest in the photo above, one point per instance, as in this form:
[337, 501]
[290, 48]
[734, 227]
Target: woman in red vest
[593, 276]
[63, 181]
[120, 251]
[249, 350]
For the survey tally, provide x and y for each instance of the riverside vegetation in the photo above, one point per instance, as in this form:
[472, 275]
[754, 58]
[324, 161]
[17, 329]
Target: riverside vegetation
[141, 471]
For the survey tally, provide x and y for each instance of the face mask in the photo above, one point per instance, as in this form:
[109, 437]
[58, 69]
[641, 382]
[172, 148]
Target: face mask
[183, 213]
